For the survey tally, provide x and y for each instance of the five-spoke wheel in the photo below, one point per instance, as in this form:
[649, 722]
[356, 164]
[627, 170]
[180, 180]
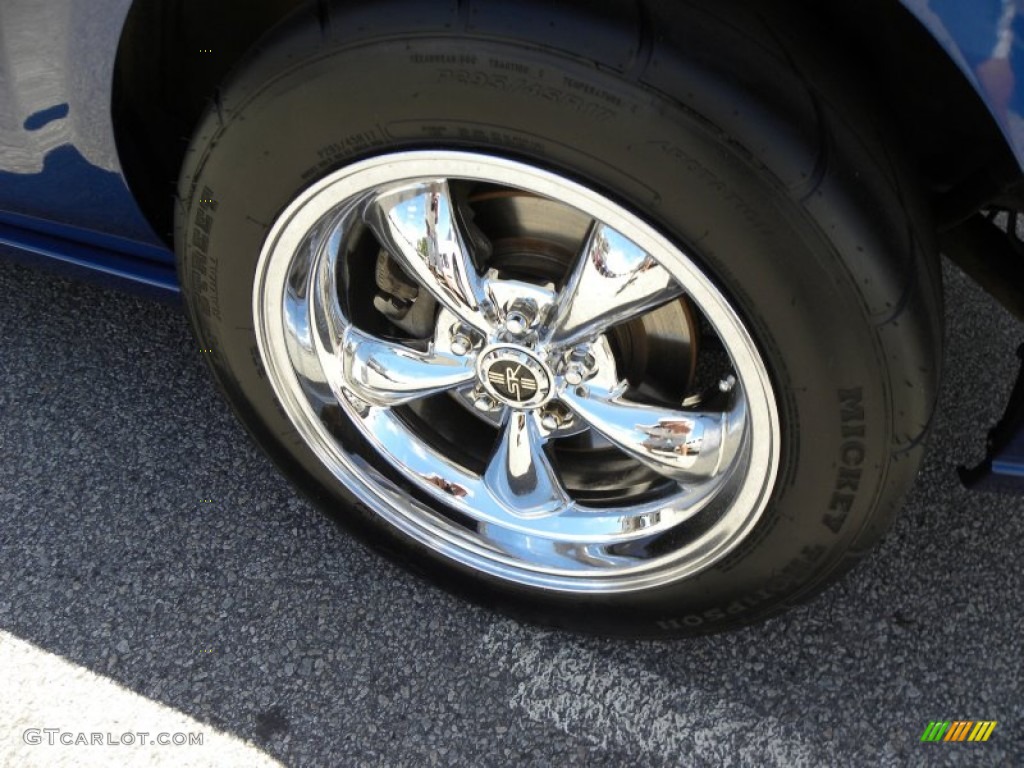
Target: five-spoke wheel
[530, 358]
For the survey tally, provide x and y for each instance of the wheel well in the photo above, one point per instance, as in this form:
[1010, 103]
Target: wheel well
[953, 142]
[173, 55]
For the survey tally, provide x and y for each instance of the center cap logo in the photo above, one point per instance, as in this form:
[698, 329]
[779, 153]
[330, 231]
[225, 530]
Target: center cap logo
[513, 380]
[514, 376]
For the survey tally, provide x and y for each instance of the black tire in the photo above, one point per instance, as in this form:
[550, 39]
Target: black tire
[779, 182]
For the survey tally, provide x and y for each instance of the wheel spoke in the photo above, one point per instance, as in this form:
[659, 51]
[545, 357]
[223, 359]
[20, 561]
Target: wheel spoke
[686, 446]
[386, 373]
[417, 225]
[519, 474]
[613, 280]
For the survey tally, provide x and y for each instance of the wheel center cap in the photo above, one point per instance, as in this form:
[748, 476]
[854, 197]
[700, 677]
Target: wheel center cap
[514, 376]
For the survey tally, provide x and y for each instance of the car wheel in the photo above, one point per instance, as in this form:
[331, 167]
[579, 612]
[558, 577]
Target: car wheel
[630, 335]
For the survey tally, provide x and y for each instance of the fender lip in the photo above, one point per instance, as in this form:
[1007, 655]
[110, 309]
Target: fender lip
[971, 42]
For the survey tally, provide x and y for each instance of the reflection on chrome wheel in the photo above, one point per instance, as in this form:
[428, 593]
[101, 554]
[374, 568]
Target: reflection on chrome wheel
[548, 390]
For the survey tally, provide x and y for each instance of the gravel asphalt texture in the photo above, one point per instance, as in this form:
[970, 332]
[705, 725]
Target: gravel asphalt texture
[144, 538]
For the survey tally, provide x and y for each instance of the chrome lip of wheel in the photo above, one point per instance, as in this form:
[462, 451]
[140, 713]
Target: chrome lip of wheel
[526, 527]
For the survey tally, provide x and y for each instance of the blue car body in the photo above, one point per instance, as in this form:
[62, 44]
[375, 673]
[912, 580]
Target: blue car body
[66, 199]
[63, 195]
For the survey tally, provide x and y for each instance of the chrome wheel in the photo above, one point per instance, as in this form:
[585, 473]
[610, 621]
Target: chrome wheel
[547, 390]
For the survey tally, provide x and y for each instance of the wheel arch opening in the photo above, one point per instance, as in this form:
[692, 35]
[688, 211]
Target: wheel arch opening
[173, 54]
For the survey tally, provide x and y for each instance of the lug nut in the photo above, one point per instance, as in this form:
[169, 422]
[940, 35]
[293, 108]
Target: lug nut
[574, 374]
[550, 422]
[580, 365]
[516, 323]
[555, 416]
[461, 344]
[581, 355]
[726, 384]
[484, 403]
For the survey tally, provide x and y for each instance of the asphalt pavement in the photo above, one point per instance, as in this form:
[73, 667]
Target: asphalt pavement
[150, 554]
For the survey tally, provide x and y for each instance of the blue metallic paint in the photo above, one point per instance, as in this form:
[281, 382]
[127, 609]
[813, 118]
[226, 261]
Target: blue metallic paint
[976, 34]
[63, 196]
